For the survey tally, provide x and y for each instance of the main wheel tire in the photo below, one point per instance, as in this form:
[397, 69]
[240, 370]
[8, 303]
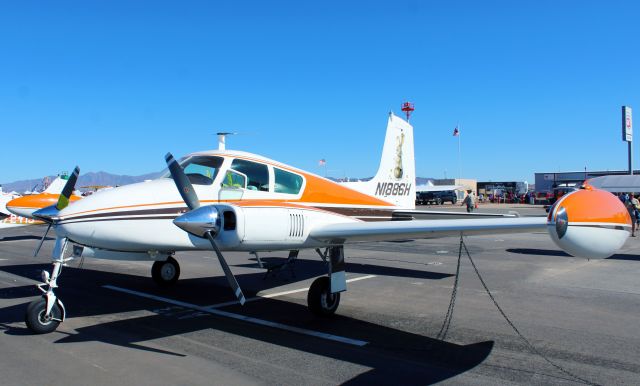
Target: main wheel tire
[320, 300]
[165, 273]
[438, 201]
[36, 320]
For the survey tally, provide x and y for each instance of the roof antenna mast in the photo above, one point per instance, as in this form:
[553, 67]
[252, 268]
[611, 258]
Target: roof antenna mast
[408, 108]
[222, 137]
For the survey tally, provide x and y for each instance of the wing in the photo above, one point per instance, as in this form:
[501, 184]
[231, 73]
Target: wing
[449, 215]
[423, 229]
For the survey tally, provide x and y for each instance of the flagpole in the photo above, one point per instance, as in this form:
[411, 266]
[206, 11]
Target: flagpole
[323, 163]
[459, 157]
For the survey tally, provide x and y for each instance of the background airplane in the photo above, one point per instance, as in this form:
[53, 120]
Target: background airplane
[24, 206]
[8, 219]
[5, 197]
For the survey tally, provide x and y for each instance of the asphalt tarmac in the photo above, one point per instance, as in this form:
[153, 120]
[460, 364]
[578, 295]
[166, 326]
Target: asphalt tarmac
[583, 316]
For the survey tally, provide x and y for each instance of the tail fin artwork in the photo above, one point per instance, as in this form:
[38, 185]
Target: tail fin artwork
[396, 177]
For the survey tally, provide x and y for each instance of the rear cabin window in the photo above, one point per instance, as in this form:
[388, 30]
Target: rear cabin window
[257, 174]
[287, 182]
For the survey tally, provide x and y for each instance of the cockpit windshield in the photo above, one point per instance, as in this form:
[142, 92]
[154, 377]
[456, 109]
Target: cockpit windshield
[201, 170]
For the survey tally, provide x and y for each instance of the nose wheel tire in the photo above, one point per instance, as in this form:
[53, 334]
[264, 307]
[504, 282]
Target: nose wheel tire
[320, 300]
[165, 273]
[36, 318]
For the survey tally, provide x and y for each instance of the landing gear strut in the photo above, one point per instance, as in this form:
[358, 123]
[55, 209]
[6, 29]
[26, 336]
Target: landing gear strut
[45, 314]
[165, 273]
[324, 294]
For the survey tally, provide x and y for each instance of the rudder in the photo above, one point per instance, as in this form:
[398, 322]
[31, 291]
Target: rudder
[395, 180]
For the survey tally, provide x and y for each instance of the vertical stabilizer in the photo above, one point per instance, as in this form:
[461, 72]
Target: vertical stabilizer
[55, 187]
[395, 180]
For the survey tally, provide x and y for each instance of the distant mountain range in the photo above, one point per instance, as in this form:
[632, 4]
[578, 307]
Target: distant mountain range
[87, 179]
[108, 179]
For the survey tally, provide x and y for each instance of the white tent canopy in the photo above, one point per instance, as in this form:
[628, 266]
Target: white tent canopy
[437, 188]
[616, 183]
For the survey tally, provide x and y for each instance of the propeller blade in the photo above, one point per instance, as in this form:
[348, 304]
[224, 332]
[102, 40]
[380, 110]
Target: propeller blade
[67, 191]
[182, 182]
[227, 271]
[191, 199]
[42, 240]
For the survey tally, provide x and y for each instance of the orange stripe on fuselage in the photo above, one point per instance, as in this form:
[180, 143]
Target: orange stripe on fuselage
[317, 190]
[322, 190]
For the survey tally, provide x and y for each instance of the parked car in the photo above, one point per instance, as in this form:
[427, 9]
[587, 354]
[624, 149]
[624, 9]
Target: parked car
[427, 198]
[437, 198]
[447, 196]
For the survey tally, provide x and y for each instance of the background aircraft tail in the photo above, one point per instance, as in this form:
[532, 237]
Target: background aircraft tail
[396, 177]
[55, 187]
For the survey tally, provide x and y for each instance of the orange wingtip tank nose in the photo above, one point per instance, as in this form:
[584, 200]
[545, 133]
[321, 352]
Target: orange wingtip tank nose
[589, 223]
[25, 205]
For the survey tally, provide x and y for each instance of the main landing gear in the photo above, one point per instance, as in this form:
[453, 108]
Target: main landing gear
[165, 273]
[320, 300]
[323, 297]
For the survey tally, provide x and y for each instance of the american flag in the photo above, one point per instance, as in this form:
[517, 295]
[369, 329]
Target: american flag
[456, 132]
[322, 162]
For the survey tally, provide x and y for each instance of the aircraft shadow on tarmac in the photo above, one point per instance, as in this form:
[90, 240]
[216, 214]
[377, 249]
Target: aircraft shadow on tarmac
[24, 237]
[555, 252]
[394, 356]
[317, 267]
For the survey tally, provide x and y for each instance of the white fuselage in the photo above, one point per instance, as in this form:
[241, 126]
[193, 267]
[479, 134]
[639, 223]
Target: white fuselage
[139, 217]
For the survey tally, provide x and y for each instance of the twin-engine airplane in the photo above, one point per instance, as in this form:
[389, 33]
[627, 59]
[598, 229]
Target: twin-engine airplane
[236, 201]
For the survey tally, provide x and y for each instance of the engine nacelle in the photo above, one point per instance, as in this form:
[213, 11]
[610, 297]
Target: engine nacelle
[589, 223]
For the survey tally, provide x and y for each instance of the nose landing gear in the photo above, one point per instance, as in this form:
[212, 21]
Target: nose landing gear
[39, 321]
[45, 314]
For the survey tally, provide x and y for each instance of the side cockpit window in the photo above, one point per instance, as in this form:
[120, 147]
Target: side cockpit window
[287, 182]
[257, 175]
[201, 170]
[234, 179]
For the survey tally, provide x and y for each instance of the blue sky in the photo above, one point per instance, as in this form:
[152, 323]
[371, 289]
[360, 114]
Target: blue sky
[114, 85]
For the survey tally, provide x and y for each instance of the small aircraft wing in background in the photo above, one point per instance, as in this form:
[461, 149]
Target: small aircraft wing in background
[13, 221]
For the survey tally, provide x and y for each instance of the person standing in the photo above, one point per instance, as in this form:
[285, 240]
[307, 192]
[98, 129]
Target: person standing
[631, 205]
[636, 205]
[468, 201]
